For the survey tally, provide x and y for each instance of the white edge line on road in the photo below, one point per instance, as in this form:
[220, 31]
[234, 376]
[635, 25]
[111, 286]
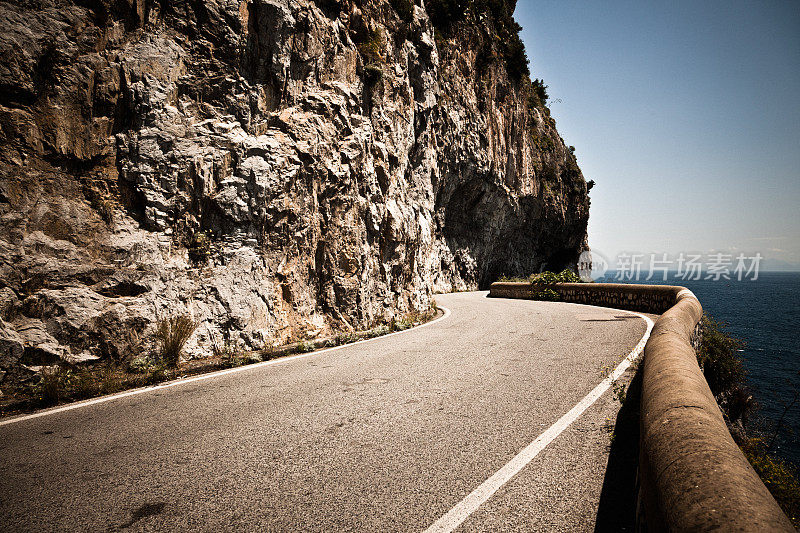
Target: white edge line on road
[455, 516]
[210, 375]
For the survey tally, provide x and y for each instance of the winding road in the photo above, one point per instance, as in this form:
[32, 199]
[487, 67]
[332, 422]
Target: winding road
[483, 420]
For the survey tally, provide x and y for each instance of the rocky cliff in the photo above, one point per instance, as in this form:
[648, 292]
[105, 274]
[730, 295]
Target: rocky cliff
[275, 168]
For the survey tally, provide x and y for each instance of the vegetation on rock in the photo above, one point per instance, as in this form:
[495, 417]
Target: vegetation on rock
[545, 278]
[551, 278]
[780, 476]
[723, 368]
[544, 282]
[173, 333]
[537, 94]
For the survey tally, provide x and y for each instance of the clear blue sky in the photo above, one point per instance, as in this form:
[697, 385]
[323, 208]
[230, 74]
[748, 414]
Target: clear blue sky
[685, 114]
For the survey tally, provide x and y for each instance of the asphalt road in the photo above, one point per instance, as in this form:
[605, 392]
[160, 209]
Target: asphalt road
[387, 435]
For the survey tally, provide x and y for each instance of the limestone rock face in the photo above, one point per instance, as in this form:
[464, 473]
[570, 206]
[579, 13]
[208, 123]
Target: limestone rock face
[275, 168]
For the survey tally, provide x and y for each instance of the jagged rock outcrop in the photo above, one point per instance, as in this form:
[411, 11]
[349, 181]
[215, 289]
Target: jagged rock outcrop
[275, 168]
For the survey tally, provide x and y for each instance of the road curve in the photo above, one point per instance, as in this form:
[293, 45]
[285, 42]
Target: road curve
[387, 435]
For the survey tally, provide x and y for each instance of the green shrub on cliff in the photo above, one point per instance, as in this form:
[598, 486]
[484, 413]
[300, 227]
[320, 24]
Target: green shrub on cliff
[511, 47]
[199, 247]
[544, 281]
[538, 93]
[723, 368]
[550, 278]
[545, 278]
[780, 477]
[514, 53]
[718, 358]
[547, 295]
[372, 47]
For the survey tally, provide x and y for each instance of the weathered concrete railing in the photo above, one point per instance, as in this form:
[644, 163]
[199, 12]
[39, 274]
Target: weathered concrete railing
[693, 475]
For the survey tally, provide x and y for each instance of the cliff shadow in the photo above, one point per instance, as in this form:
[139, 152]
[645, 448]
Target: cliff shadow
[617, 509]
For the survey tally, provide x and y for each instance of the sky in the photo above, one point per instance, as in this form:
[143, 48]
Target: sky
[685, 114]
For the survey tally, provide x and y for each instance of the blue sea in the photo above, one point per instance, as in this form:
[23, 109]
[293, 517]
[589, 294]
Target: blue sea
[765, 313]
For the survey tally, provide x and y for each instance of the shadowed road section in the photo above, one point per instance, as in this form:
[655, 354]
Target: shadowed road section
[384, 435]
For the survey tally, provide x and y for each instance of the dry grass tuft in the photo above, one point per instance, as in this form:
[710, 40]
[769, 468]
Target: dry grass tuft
[173, 333]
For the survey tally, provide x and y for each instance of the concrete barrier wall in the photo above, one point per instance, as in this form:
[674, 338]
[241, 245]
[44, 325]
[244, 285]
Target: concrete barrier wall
[645, 298]
[693, 475]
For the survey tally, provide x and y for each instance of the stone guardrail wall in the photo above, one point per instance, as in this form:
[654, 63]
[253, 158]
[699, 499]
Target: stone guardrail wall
[693, 475]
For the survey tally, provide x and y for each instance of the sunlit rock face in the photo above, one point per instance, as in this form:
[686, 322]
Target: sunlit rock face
[275, 168]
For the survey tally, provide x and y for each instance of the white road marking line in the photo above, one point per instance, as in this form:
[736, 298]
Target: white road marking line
[210, 375]
[455, 516]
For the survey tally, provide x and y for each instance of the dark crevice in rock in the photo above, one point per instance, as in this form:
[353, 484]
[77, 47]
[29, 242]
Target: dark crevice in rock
[123, 110]
[16, 96]
[122, 289]
[34, 356]
[76, 166]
